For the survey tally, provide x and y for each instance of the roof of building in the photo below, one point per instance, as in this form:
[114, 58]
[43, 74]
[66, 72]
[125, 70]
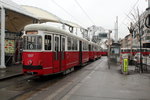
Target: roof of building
[43, 15]
[15, 16]
[10, 5]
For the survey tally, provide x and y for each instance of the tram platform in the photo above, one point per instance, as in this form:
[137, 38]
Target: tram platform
[11, 71]
[109, 84]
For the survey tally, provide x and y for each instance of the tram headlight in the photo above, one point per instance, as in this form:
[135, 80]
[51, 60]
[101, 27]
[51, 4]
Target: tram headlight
[30, 62]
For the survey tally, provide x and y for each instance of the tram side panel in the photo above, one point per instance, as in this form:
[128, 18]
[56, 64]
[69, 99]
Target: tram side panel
[47, 63]
[35, 63]
[72, 59]
[91, 53]
[85, 56]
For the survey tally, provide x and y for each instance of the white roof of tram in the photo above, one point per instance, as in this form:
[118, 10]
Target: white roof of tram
[71, 24]
[44, 27]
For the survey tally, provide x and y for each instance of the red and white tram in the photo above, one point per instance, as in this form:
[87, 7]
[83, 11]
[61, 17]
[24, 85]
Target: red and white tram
[49, 50]
[133, 51]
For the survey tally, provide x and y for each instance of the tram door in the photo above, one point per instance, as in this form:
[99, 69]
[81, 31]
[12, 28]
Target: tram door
[56, 62]
[80, 52]
[59, 53]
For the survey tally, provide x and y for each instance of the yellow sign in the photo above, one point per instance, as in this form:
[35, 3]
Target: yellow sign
[125, 65]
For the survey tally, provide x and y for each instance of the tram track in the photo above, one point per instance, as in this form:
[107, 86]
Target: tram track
[66, 86]
[27, 87]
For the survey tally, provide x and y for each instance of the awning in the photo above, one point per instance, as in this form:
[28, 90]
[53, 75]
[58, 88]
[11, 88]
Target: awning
[43, 15]
[16, 16]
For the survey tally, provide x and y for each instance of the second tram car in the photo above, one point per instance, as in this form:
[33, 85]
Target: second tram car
[49, 50]
[133, 51]
[104, 52]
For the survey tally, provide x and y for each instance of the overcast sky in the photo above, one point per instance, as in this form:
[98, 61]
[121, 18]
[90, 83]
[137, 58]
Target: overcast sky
[100, 12]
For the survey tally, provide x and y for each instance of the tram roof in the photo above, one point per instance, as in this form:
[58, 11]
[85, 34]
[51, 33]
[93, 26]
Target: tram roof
[44, 27]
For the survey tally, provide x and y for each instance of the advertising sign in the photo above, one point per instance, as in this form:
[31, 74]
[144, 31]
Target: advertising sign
[9, 46]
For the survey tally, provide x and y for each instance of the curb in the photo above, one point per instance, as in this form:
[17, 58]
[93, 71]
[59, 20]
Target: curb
[11, 76]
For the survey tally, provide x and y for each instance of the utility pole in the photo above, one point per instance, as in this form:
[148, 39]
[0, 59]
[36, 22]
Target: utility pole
[139, 29]
[109, 48]
[116, 30]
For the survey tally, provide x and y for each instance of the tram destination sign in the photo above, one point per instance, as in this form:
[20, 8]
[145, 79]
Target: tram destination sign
[102, 35]
[31, 32]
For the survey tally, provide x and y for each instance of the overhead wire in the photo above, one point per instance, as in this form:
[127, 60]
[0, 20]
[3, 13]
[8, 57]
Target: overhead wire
[84, 12]
[133, 7]
[66, 11]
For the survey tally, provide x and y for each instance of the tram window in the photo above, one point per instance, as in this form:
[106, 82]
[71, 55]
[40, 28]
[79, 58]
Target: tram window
[32, 42]
[82, 45]
[39, 42]
[73, 44]
[85, 46]
[92, 48]
[56, 44]
[63, 44]
[69, 43]
[48, 42]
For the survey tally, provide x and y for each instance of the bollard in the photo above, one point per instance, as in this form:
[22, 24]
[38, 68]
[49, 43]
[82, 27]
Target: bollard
[124, 64]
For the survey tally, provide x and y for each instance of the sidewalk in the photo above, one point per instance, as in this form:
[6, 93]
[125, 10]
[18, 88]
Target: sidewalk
[108, 84]
[10, 71]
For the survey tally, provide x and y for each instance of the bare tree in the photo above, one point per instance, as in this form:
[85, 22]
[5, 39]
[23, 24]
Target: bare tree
[138, 24]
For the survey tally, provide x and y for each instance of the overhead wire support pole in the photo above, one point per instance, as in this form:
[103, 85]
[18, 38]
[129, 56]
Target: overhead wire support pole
[109, 49]
[2, 38]
[116, 30]
[139, 27]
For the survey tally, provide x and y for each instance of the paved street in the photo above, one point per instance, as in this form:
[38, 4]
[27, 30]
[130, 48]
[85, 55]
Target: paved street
[92, 82]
